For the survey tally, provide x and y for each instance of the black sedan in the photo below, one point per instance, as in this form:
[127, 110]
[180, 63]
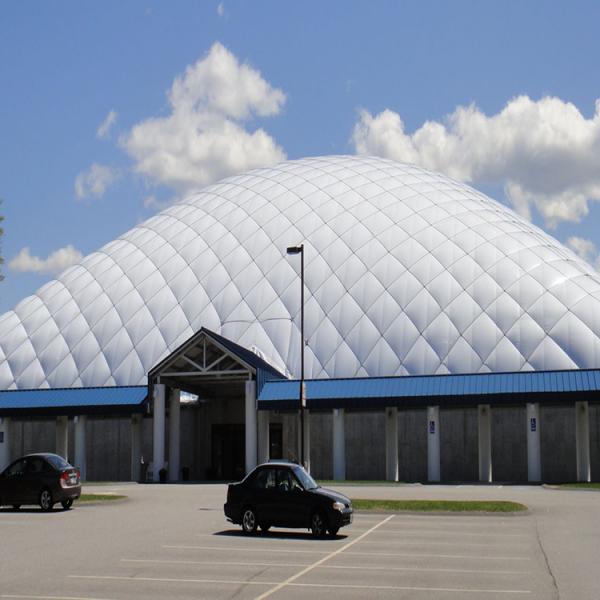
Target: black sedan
[43, 479]
[283, 494]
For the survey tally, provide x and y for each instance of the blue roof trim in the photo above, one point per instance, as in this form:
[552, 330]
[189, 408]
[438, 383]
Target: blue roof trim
[415, 390]
[49, 401]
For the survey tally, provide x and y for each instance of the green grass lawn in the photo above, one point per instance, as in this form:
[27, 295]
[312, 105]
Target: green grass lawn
[581, 485]
[439, 505]
[100, 497]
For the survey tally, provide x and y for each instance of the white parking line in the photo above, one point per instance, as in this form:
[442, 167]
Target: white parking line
[229, 563]
[461, 556]
[25, 597]
[485, 534]
[281, 550]
[278, 586]
[331, 555]
[246, 549]
[419, 542]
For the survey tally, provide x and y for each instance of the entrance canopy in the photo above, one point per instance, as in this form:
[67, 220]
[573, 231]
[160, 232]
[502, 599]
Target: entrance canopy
[206, 361]
[427, 390]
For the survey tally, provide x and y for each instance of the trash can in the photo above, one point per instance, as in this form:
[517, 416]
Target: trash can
[162, 475]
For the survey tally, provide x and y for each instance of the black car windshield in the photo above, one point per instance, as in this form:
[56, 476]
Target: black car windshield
[58, 462]
[308, 483]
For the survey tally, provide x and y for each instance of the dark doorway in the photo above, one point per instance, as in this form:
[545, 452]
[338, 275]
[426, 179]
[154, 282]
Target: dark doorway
[228, 452]
[275, 440]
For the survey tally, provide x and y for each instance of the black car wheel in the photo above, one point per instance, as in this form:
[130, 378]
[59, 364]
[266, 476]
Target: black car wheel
[249, 523]
[264, 527]
[46, 502]
[66, 504]
[333, 531]
[16, 506]
[318, 525]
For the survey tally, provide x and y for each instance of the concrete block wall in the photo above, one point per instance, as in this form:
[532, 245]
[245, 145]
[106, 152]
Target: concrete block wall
[557, 433]
[365, 445]
[595, 441]
[108, 442]
[412, 445]
[321, 451]
[459, 458]
[509, 444]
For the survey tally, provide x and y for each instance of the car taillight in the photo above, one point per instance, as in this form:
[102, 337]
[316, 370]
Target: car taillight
[78, 473]
[64, 479]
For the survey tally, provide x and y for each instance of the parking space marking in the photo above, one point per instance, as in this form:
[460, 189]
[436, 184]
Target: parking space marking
[461, 556]
[295, 564]
[246, 549]
[319, 562]
[26, 597]
[281, 550]
[291, 583]
[419, 542]
[454, 533]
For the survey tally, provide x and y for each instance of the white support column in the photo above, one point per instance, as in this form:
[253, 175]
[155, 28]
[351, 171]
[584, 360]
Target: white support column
[391, 443]
[307, 440]
[62, 437]
[136, 447]
[263, 436]
[174, 434]
[582, 440]
[158, 430]
[251, 427]
[485, 442]
[534, 454]
[4, 442]
[80, 456]
[339, 445]
[433, 444]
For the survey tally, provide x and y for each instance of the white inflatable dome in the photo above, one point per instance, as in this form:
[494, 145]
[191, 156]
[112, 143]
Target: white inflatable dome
[407, 272]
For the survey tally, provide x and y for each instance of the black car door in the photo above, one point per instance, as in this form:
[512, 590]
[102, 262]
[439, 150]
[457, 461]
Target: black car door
[12, 483]
[34, 479]
[263, 495]
[291, 500]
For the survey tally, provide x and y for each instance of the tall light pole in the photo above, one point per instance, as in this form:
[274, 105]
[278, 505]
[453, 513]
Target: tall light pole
[301, 396]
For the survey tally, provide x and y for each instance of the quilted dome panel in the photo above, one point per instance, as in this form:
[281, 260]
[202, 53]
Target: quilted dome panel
[407, 272]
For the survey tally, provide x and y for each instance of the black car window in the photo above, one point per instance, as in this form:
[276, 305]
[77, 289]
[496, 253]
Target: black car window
[308, 483]
[35, 465]
[265, 479]
[16, 469]
[285, 480]
[58, 462]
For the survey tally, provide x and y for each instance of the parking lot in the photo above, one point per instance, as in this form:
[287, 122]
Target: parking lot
[172, 541]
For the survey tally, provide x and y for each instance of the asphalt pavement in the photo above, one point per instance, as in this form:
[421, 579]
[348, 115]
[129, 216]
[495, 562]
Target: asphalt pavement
[172, 541]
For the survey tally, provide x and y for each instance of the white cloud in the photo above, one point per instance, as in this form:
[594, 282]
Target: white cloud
[94, 181]
[544, 152]
[203, 138]
[104, 127]
[57, 261]
[221, 9]
[586, 249]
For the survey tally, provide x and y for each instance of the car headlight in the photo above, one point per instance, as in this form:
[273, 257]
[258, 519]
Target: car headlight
[338, 506]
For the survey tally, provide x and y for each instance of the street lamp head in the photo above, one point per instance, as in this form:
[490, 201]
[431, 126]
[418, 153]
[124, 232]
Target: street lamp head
[295, 249]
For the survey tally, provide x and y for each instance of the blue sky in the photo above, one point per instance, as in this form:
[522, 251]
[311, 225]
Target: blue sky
[385, 78]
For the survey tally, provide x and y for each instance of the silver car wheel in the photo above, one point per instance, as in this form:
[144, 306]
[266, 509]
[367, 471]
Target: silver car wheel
[46, 500]
[249, 521]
